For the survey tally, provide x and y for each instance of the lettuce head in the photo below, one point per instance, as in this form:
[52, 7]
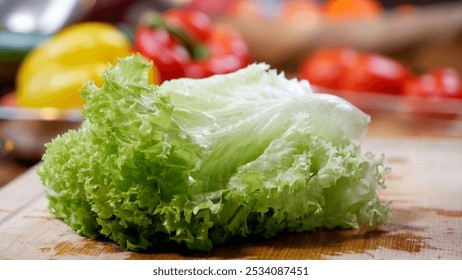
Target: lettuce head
[199, 161]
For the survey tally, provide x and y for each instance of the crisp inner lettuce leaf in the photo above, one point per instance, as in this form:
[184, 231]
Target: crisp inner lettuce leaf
[198, 162]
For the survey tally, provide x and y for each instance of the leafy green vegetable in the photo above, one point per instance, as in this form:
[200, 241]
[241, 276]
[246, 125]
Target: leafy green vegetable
[199, 161]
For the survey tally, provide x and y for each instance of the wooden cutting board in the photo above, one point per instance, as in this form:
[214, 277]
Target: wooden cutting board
[425, 187]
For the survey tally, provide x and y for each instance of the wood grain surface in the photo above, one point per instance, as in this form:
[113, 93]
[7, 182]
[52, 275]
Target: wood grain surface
[425, 188]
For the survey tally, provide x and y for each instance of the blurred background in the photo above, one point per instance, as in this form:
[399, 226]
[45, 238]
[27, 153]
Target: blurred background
[398, 60]
[422, 33]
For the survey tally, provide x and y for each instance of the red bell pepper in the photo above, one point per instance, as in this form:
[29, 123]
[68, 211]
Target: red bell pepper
[185, 43]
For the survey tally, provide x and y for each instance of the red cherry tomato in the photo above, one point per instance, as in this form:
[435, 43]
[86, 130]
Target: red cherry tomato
[197, 24]
[441, 82]
[227, 53]
[185, 43]
[326, 67]
[162, 47]
[377, 73]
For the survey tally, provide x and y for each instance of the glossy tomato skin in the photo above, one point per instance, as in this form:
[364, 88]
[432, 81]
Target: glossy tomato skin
[160, 46]
[326, 67]
[185, 43]
[377, 73]
[196, 23]
[228, 52]
[443, 82]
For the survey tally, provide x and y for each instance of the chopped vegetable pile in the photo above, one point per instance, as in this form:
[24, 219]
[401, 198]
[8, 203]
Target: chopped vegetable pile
[199, 161]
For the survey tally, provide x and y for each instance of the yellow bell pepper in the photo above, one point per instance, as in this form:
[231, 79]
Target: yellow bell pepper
[52, 74]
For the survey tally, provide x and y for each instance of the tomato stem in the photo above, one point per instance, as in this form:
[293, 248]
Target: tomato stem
[195, 48]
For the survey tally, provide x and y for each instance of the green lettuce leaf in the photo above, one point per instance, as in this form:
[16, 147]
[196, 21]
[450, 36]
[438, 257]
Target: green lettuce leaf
[198, 162]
